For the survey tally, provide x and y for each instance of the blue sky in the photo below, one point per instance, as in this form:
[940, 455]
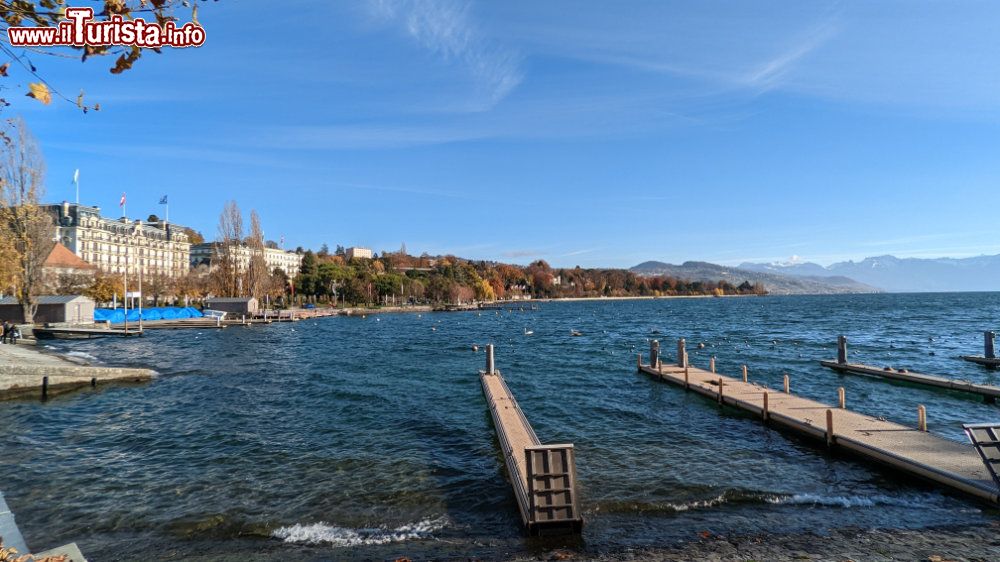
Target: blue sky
[582, 133]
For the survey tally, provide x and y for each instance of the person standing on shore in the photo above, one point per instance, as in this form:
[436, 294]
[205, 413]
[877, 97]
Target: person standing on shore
[6, 330]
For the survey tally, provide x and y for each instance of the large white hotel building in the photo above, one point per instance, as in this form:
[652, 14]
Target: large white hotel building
[154, 248]
[289, 262]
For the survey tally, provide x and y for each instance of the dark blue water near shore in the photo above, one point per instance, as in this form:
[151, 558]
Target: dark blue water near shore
[345, 438]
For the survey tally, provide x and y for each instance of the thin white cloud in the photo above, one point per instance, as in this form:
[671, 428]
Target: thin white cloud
[580, 252]
[772, 73]
[446, 28]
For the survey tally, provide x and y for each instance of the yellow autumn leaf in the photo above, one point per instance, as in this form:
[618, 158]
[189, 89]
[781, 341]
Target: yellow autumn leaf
[194, 15]
[79, 100]
[40, 92]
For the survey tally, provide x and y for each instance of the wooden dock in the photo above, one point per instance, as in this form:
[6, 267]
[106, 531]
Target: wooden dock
[989, 393]
[83, 333]
[989, 357]
[911, 450]
[543, 476]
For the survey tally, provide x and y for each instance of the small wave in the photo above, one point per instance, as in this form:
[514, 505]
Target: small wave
[674, 507]
[320, 533]
[730, 497]
[698, 504]
[844, 501]
[82, 355]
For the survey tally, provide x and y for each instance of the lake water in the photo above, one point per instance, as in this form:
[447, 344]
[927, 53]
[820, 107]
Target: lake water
[341, 438]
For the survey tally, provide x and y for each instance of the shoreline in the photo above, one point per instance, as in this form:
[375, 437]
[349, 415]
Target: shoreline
[931, 544]
[27, 372]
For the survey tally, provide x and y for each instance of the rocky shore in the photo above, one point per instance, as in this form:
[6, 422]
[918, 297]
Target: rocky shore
[940, 544]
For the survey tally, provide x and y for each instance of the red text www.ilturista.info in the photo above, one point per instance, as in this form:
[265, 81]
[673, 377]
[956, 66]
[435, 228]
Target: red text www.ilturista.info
[80, 29]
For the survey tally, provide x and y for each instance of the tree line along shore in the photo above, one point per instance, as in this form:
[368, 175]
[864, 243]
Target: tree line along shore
[238, 267]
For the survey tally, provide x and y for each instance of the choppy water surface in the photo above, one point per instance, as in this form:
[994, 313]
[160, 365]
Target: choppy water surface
[345, 438]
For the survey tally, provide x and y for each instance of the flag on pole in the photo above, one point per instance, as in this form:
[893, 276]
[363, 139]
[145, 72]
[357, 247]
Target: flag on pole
[76, 176]
[122, 202]
[163, 200]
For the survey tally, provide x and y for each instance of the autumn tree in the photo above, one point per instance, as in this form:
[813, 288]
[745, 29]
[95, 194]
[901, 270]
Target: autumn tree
[22, 221]
[105, 287]
[227, 274]
[257, 274]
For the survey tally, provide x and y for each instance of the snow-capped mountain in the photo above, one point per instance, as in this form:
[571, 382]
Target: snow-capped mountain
[889, 273]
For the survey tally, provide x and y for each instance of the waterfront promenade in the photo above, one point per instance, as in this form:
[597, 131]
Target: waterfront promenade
[28, 373]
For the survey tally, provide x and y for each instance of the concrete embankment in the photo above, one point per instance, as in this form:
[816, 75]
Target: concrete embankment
[28, 373]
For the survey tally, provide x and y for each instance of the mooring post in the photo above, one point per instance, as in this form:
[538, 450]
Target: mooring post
[829, 428]
[638, 362]
[93, 382]
[687, 385]
[745, 373]
[989, 339]
[842, 350]
[45, 388]
[711, 364]
[490, 367]
[681, 353]
[764, 411]
[921, 418]
[218, 320]
[720, 390]
[786, 385]
[842, 398]
[654, 354]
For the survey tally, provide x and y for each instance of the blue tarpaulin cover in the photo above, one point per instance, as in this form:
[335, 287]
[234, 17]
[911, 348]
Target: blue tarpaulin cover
[117, 315]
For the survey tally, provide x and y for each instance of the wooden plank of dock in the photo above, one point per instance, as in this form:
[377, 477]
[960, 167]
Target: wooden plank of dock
[82, 332]
[910, 450]
[543, 476]
[989, 357]
[990, 393]
[987, 361]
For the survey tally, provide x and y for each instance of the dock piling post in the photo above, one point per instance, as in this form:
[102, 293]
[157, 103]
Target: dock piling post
[711, 364]
[93, 382]
[842, 350]
[989, 339]
[687, 385]
[681, 353]
[786, 385]
[654, 354]
[745, 373]
[829, 428]
[45, 388]
[720, 390]
[764, 411]
[490, 367]
[922, 418]
[842, 398]
[218, 320]
[638, 361]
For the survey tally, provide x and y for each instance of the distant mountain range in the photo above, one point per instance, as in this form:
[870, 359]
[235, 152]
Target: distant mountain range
[775, 282]
[893, 274]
